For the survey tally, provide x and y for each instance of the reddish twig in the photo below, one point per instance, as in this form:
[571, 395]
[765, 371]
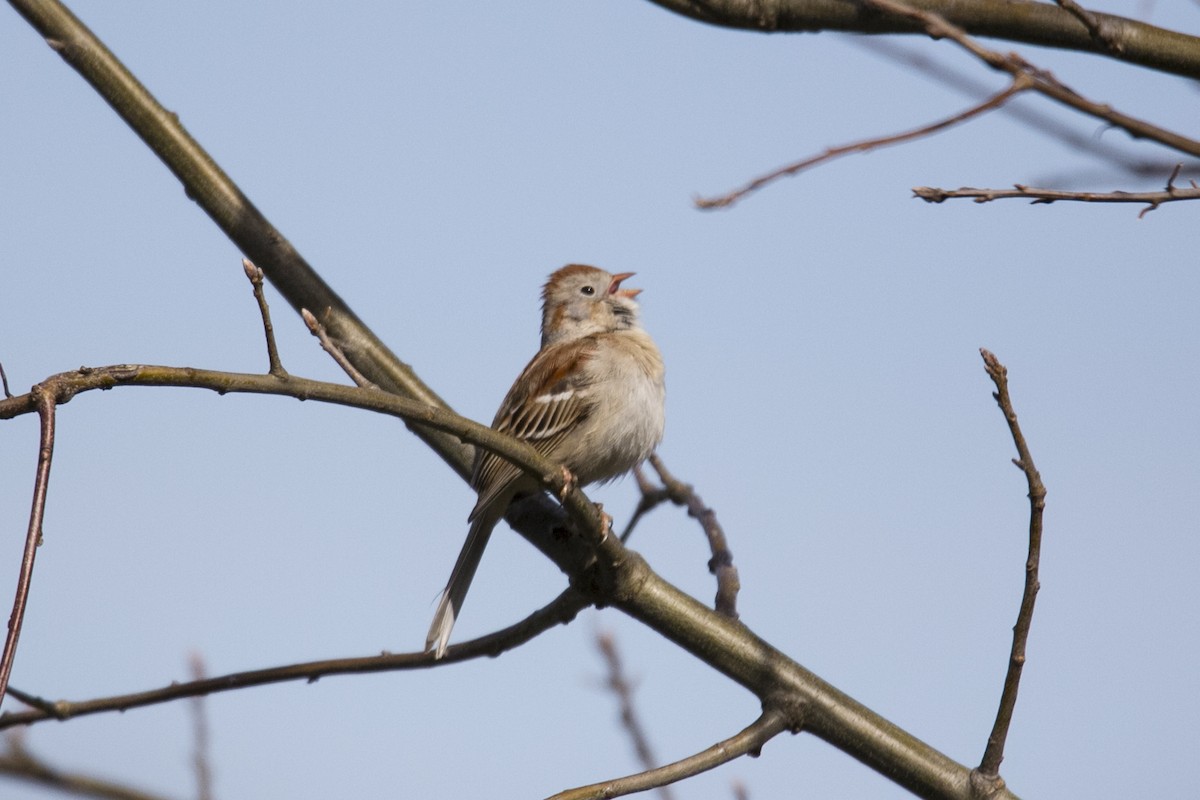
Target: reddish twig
[989, 766]
[1152, 200]
[721, 563]
[629, 719]
[256, 280]
[45, 401]
[866, 145]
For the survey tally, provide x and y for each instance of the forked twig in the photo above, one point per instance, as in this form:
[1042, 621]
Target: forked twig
[989, 766]
[1043, 82]
[45, 401]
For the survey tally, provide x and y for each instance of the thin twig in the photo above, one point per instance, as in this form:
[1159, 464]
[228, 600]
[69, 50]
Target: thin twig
[329, 346]
[45, 402]
[256, 280]
[1152, 200]
[621, 687]
[1029, 116]
[201, 760]
[721, 563]
[20, 764]
[559, 611]
[1042, 81]
[747, 742]
[651, 498]
[864, 146]
[989, 766]
[4, 381]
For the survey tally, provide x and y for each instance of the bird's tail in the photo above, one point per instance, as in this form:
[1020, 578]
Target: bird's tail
[460, 581]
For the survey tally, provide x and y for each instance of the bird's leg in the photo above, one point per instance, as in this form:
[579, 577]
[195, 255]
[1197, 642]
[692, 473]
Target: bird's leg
[568, 483]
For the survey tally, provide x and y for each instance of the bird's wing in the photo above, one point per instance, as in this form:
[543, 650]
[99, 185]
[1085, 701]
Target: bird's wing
[548, 400]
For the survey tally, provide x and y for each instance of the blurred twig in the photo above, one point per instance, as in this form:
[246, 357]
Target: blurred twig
[201, 759]
[623, 691]
[18, 763]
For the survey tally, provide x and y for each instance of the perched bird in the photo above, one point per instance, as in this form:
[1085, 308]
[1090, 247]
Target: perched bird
[591, 400]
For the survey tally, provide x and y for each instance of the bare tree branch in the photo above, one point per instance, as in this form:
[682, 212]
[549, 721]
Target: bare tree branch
[989, 767]
[748, 742]
[44, 403]
[1040, 121]
[1153, 200]
[866, 145]
[1015, 20]
[560, 611]
[1042, 81]
[721, 563]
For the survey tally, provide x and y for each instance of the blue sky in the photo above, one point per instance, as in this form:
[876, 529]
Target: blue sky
[825, 394]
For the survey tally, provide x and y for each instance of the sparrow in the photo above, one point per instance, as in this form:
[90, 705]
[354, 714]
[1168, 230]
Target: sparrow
[591, 399]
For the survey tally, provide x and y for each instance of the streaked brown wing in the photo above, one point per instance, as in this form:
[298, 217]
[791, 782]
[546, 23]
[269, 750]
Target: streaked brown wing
[546, 402]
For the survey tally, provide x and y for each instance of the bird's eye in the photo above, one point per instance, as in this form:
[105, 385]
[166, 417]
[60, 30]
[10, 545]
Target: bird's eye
[588, 290]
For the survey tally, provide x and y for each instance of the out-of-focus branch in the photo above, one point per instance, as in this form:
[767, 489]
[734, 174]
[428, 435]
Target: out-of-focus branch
[560, 611]
[989, 766]
[18, 763]
[747, 742]
[1015, 20]
[623, 691]
[1018, 85]
[44, 403]
[201, 748]
[1152, 200]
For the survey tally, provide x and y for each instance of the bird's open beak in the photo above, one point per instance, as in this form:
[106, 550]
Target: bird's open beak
[615, 286]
